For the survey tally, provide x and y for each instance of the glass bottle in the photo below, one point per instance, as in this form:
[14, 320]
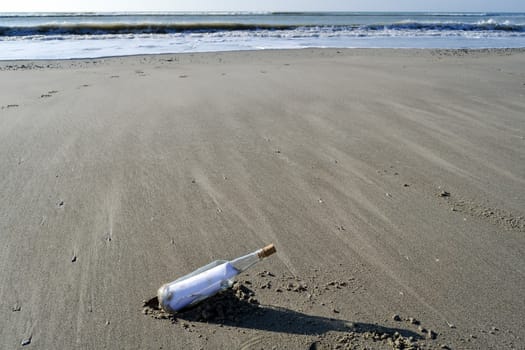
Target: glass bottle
[207, 281]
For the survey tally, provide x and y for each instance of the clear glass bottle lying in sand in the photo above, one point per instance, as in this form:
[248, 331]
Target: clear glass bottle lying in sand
[207, 281]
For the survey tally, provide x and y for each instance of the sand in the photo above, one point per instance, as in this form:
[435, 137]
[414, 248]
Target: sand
[392, 183]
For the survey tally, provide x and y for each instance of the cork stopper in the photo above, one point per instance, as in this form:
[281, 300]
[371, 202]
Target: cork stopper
[267, 251]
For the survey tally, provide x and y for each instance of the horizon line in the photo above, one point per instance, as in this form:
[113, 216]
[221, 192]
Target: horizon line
[225, 12]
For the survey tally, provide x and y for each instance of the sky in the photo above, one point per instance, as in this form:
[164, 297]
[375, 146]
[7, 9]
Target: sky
[262, 5]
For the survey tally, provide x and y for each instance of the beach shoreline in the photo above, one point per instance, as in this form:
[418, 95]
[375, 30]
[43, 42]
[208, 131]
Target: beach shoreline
[391, 182]
[4, 64]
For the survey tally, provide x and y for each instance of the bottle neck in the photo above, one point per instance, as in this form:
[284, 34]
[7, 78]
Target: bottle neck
[247, 261]
[244, 262]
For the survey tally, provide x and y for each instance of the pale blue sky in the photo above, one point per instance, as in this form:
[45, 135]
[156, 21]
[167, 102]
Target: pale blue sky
[262, 5]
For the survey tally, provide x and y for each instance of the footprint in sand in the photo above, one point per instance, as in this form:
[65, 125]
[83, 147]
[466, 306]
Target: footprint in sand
[49, 94]
[10, 106]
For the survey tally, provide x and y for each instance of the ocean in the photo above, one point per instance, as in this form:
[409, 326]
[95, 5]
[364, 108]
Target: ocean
[89, 35]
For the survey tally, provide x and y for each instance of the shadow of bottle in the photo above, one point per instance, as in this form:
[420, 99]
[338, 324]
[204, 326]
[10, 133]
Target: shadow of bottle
[231, 308]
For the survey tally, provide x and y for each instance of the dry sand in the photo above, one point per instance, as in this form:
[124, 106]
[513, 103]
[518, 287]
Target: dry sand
[391, 182]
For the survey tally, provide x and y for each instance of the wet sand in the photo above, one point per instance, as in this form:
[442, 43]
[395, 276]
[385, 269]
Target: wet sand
[392, 183]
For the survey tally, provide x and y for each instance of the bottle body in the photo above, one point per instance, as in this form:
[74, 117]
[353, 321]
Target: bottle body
[206, 281]
[195, 287]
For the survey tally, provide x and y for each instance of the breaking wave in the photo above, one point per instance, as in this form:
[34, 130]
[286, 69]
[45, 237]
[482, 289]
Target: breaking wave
[489, 25]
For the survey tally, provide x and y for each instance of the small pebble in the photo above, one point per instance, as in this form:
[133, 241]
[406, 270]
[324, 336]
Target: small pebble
[396, 317]
[444, 194]
[26, 341]
[413, 320]
[74, 258]
[396, 335]
[431, 334]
